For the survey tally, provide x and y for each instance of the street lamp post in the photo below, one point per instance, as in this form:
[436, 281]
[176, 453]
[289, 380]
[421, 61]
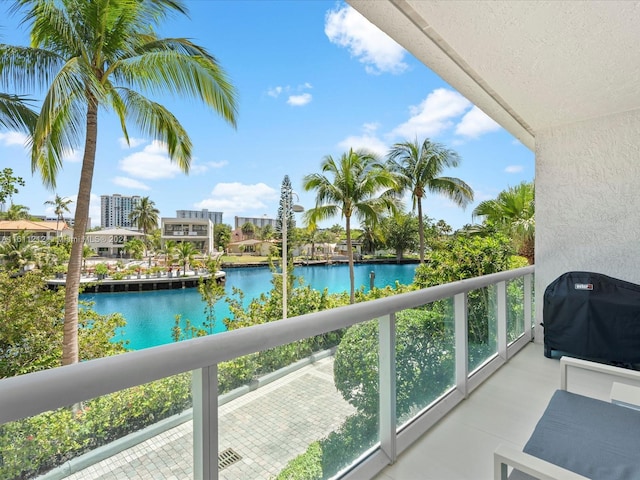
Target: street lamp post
[285, 258]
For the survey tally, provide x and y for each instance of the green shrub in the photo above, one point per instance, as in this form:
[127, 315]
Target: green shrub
[325, 458]
[307, 466]
[34, 445]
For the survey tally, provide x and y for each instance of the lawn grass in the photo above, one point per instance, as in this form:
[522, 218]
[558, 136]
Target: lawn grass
[244, 259]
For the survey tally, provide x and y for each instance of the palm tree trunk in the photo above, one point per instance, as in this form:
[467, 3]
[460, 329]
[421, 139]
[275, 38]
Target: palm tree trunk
[421, 230]
[527, 250]
[70, 349]
[352, 293]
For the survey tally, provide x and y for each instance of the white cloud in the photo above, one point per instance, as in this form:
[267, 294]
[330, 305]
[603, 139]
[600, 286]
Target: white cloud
[73, 156]
[365, 142]
[514, 169]
[274, 92]
[133, 142]
[200, 168]
[475, 123]
[130, 183]
[299, 100]
[366, 42]
[235, 198]
[13, 138]
[434, 115]
[220, 164]
[151, 163]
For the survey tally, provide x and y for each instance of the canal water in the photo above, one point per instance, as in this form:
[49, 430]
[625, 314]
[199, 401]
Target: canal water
[150, 316]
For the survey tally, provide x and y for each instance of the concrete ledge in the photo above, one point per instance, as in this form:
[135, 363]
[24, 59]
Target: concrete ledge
[105, 451]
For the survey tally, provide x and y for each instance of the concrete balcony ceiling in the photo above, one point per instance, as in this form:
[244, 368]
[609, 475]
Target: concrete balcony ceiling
[530, 65]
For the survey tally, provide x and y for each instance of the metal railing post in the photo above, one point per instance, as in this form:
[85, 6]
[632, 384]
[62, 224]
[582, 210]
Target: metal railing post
[205, 423]
[501, 319]
[387, 385]
[528, 306]
[461, 342]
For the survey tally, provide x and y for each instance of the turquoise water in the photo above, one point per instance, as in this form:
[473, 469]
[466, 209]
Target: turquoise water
[151, 315]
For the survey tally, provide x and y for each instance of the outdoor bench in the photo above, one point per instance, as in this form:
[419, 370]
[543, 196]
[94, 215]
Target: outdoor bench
[581, 437]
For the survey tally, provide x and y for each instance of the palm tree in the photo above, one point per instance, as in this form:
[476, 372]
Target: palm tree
[513, 212]
[169, 251]
[135, 248]
[360, 187]
[15, 113]
[17, 212]
[18, 251]
[419, 167]
[60, 206]
[106, 54]
[186, 252]
[248, 230]
[145, 216]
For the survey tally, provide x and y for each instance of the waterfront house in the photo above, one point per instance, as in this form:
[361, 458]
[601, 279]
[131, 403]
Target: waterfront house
[109, 242]
[198, 231]
[251, 247]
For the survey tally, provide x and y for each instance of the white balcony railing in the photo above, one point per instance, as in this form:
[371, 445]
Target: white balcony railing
[31, 394]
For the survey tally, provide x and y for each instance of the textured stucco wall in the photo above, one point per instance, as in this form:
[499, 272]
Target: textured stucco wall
[588, 200]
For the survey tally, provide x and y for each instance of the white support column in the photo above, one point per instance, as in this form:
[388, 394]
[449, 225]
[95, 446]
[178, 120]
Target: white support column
[204, 386]
[387, 385]
[528, 306]
[502, 319]
[461, 342]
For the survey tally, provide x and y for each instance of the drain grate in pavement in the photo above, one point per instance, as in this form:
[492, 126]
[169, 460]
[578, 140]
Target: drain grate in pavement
[227, 458]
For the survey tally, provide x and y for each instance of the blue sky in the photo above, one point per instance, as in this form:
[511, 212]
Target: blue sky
[314, 78]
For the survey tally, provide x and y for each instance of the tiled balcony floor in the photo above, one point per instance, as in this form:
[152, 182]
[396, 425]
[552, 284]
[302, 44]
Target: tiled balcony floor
[503, 410]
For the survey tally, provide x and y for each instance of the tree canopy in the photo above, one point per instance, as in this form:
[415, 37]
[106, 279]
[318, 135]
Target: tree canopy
[106, 54]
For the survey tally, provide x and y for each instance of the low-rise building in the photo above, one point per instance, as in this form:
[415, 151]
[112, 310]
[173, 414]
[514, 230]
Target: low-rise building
[38, 231]
[109, 242]
[198, 231]
[251, 247]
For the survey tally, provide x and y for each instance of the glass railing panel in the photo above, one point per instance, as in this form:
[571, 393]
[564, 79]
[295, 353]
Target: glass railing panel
[482, 325]
[515, 309]
[425, 357]
[33, 446]
[309, 419]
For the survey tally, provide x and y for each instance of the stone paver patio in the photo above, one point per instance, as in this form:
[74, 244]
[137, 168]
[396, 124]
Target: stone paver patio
[267, 428]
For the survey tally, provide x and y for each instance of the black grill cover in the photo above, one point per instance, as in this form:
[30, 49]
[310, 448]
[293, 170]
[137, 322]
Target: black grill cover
[592, 316]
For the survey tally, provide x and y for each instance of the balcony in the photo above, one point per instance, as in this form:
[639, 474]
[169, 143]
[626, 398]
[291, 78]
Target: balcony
[253, 431]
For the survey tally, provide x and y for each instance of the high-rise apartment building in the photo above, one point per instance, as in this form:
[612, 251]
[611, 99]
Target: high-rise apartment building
[257, 221]
[204, 214]
[115, 210]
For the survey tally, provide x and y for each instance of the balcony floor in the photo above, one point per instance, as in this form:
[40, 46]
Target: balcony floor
[503, 410]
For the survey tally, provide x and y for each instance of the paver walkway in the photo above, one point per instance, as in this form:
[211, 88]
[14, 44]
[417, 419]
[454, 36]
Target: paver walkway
[266, 427]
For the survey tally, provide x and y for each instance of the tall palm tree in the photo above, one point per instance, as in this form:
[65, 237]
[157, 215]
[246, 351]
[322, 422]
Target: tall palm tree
[145, 216]
[88, 55]
[419, 168]
[358, 186]
[60, 206]
[513, 212]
